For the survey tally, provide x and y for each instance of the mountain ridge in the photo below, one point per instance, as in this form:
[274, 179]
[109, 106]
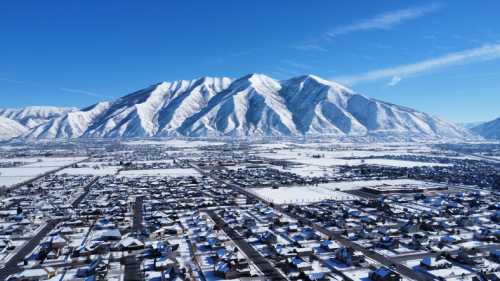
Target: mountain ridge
[488, 130]
[32, 116]
[254, 105]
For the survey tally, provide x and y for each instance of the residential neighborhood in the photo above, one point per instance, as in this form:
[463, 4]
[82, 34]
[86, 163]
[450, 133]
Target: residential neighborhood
[140, 211]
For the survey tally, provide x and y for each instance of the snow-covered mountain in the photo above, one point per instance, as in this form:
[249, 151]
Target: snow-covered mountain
[70, 125]
[488, 130]
[10, 128]
[33, 116]
[469, 125]
[253, 105]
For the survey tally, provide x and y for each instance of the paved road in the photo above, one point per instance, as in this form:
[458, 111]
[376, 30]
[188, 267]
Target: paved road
[132, 269]
[11, 266]
[263, 264]
[137, 222]
[86, 191]
[132, 264]
[396, 266]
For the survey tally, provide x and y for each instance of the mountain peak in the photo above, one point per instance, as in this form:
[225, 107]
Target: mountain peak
[255, 81]
[255, 77]
[318, 80]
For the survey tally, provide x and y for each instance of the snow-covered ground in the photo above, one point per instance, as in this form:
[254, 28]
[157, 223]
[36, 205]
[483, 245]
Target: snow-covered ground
[102, 171]
[54, 162]
[175, 172]
[34, 168]
[300, 194]
[174, 143]
[308, 170]
[333, 190]
[333, 158]
[454, 273]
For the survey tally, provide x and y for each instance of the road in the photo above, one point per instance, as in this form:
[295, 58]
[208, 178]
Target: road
[11, 266]
[82, 196]
[137, 221]
[394, 264]
[133, 270]
[262, 263]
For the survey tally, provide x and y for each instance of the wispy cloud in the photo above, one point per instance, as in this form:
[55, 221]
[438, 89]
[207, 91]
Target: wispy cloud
[385, 20]
[11, 80]
[310, 47]
[295, 64]
[484, 53]
[83, 92]
[52, 87]
[394, 81]
[381, 21]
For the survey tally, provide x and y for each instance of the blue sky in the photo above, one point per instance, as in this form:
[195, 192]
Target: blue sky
[435, 56]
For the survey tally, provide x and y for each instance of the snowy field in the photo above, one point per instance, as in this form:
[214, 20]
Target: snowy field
[173, 143]
[175, 172]
[300, 194]
[34, 168]
[102, 171]
[308, 170]
[333, 158]
[333, 190]
[55, 162]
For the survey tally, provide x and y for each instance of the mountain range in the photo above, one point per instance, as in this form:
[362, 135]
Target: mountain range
[18, 121]
[488, 130]
[254, 105]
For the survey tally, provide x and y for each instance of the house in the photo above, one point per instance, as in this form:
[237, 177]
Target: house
[304, 252]
[495, 255]
[388, 242]
[129, 243]
[230, 270]
[33, 274]
[110, 234]
[384, 274]
[299, 264]
[348, 256]
[469, 257]
[268, 238]
[315, 276]
[329, 245]
[89, 270]
[432, 263]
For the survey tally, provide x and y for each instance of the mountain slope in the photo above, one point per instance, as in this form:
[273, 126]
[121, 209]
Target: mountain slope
[10, 128]
[33, 116]
[71, 125]
[158, 110]
[488, 130]
[253, 105]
